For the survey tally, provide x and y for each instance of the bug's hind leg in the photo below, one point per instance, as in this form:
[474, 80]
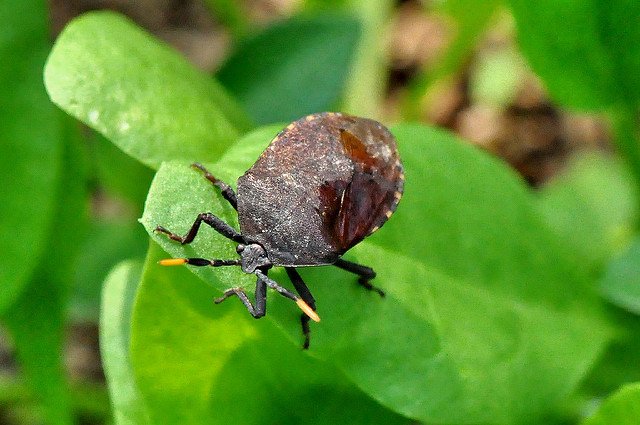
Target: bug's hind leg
[305, 294]
[365, 273]
[218, 225]
[225, 189]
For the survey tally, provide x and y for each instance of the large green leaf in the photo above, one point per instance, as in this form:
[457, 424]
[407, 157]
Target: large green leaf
[293, 68]
[622, 408]
[36, 319]
[487, 318]
[475, 219]
[40, 198]
[119, 174]
[118, 297]
[139, 93]
[105, 243]
[30, 141]
[195, 363]
[586, 51]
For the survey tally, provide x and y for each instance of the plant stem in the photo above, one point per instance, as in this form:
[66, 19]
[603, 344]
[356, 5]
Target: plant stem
[471, 23]
[367, 83]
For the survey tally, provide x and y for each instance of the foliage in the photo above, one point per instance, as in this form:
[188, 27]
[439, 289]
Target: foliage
[504, 304]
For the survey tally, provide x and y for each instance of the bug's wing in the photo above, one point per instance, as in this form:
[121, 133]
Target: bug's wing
[367, 202]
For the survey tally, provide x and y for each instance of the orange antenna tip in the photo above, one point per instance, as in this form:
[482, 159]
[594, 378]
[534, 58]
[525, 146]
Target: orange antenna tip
[307, 310]
[173, 261]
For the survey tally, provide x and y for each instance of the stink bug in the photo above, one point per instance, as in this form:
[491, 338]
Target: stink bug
[323, 184]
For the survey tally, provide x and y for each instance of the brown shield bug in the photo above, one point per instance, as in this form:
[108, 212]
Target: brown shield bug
[322, 185]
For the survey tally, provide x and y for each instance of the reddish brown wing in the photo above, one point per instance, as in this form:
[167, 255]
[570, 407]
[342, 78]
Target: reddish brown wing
[367, 203]
[362, 205]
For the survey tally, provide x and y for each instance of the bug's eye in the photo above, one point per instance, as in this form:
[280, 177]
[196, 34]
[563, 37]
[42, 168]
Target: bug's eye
[240, 248]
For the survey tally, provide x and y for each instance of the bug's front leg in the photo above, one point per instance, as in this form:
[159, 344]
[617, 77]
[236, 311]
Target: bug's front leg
[225, 189]
[208, 218]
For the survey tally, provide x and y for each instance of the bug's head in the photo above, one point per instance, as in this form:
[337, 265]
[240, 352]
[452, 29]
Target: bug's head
[252, 256]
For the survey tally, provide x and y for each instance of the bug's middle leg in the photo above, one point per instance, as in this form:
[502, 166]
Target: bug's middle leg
[217, 224]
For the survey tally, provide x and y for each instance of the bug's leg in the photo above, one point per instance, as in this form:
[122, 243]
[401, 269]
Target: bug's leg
[365, 273]
[302, 304]
[225, 189]
[305, 294]
[218, 225]
[260, 307]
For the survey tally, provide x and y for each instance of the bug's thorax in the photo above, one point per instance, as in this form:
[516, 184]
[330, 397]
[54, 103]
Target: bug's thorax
[252, 257]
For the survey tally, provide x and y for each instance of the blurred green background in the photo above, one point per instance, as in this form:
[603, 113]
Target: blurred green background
[512, 265]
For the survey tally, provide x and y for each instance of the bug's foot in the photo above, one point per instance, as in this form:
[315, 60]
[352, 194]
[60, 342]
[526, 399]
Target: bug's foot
[364, 282]
[206, 172]
[226, 294]
[170, 234]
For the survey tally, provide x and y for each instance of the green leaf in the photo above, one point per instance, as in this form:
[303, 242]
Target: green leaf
[621, 281]
[138, 92]
[36, 322]
[487, 318]
[293, 68]
[36, 319]
[40, 198]
[171, 202]
[592, 207]
[585, 51]
[118, 298]
[104, 244]
[119, 174]
[616, 366]
[197, 363]
[621, 408]
[30, 142]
